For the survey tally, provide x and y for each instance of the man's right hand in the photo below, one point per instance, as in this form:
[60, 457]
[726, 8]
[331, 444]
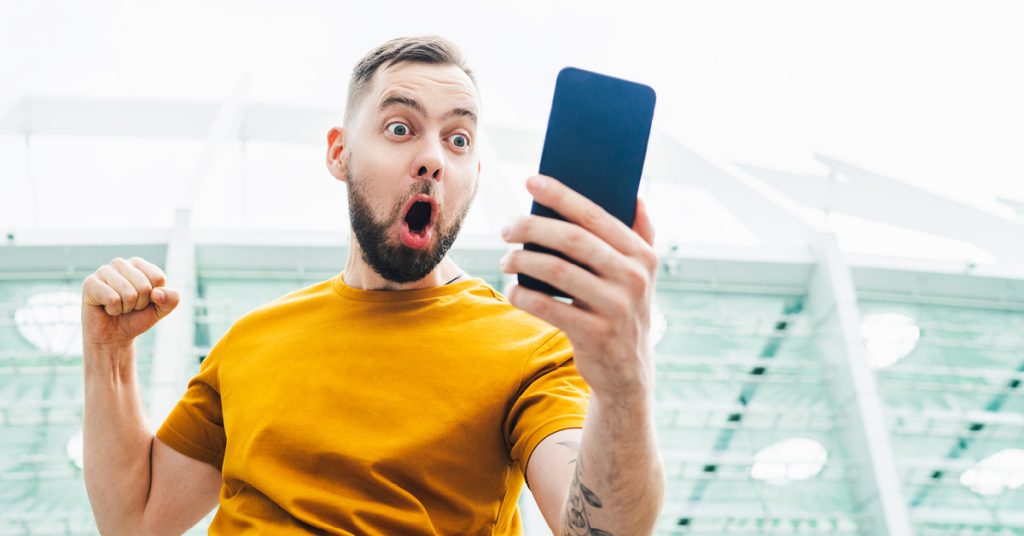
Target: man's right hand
[136, 483]
[122, 300]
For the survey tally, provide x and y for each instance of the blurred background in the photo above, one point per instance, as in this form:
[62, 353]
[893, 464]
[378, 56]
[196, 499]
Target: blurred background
[837, 188]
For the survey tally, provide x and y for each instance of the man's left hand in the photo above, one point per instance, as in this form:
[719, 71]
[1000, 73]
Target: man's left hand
[608, 321]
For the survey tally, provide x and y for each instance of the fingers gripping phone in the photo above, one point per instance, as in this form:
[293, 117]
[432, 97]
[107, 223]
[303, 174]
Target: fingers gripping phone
[596, 143]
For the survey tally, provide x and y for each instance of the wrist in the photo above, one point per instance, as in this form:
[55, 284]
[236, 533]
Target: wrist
[115, 360]
[637, 403]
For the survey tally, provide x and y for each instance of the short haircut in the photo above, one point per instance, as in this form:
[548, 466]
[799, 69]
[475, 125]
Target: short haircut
[429, 49]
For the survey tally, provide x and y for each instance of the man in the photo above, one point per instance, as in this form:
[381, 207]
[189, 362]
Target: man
[401, 396]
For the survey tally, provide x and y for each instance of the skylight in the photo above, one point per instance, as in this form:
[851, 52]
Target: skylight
[51, 321]
[74, 448]
[789, 460]
[998, 473]
[659, 324]
[888, 337]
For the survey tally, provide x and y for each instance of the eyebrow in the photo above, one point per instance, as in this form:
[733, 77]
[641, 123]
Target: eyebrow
[401, 100]
[461, 112]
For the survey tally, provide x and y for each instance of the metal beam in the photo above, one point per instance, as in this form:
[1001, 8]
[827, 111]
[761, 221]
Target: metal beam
[136, 118]
[748, 391]
[89, 117]
[175, 335]
[832, 308]
[1017, 206]
[970, 432]
[226, 126]
[1010, 519]
[765, 213]
[855, 191]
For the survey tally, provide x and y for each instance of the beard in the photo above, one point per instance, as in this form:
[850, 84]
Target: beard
[383, 252]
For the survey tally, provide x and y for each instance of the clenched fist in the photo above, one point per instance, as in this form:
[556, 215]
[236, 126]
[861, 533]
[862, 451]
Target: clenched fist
[122, 300]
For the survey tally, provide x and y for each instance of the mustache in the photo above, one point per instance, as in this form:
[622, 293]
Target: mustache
[423, 187]
[428, 188]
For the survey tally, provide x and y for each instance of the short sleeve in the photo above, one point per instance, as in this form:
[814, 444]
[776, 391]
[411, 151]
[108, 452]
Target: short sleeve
[552, 397]
[195, 427]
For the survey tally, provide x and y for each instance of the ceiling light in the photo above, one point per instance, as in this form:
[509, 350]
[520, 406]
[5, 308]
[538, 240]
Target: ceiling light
[659, 324]
[997, 473]
[74, 448]
[52, 321]
[789, 460]
[888, 337]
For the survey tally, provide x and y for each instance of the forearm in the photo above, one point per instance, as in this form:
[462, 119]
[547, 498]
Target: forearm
[619, 479]
[117, 441]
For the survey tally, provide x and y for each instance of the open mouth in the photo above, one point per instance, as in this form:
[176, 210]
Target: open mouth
[418, 223]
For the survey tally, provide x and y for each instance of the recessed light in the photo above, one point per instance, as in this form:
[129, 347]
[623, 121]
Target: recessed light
[789, 460]
[997, 473]
[52, 321]
[888, 337]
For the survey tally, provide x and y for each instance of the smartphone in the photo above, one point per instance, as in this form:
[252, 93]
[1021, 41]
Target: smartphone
[596, 143]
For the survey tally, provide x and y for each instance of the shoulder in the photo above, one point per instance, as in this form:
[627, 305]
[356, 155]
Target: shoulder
[539, 347]
[306, 300]
[509, 324]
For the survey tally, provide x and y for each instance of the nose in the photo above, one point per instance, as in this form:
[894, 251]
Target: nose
[429, 164]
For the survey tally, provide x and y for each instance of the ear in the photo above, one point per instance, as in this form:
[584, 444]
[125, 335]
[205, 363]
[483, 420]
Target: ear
[335, 152]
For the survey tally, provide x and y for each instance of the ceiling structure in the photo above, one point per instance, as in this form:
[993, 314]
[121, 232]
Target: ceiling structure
[802, 389]
[840, 351]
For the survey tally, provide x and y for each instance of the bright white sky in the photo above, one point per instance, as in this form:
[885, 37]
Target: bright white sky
[928, 92]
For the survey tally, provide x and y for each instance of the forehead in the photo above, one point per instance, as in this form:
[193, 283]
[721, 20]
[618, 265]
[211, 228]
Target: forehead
[435, 86]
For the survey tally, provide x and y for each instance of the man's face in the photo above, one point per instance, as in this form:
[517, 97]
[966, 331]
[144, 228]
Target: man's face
[411, 166]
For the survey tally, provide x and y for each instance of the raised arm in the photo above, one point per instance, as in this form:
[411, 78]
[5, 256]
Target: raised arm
[136, 484]
[618, 480]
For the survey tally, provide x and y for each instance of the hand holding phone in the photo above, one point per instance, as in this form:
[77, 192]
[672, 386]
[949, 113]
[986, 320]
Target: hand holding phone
[595, 144]
[609, 319]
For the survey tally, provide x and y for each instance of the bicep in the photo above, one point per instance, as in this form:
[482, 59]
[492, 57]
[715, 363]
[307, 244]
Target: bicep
[182, 491]
[550, 470]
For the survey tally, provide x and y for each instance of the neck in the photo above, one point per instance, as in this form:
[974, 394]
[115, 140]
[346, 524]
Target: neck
[359, 275]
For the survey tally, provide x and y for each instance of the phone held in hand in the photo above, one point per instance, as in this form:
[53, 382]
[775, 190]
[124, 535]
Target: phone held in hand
[596, 143]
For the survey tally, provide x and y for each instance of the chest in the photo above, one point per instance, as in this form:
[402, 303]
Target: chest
[362, 402]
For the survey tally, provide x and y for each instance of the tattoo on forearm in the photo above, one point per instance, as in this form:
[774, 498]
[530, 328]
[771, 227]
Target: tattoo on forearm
[575, 519]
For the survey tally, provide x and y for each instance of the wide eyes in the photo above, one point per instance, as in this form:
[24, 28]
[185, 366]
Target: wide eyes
[399, 129]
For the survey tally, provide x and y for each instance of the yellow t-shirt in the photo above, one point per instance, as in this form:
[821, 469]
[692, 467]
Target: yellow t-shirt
[344, 411]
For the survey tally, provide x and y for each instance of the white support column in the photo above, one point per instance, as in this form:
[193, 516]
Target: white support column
[833, 310]
[175, 335]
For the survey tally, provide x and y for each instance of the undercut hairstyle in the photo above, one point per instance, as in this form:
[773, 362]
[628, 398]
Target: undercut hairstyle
[429, 49]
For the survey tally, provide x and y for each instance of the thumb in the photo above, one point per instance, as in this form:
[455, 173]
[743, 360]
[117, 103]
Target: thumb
[165, 300]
